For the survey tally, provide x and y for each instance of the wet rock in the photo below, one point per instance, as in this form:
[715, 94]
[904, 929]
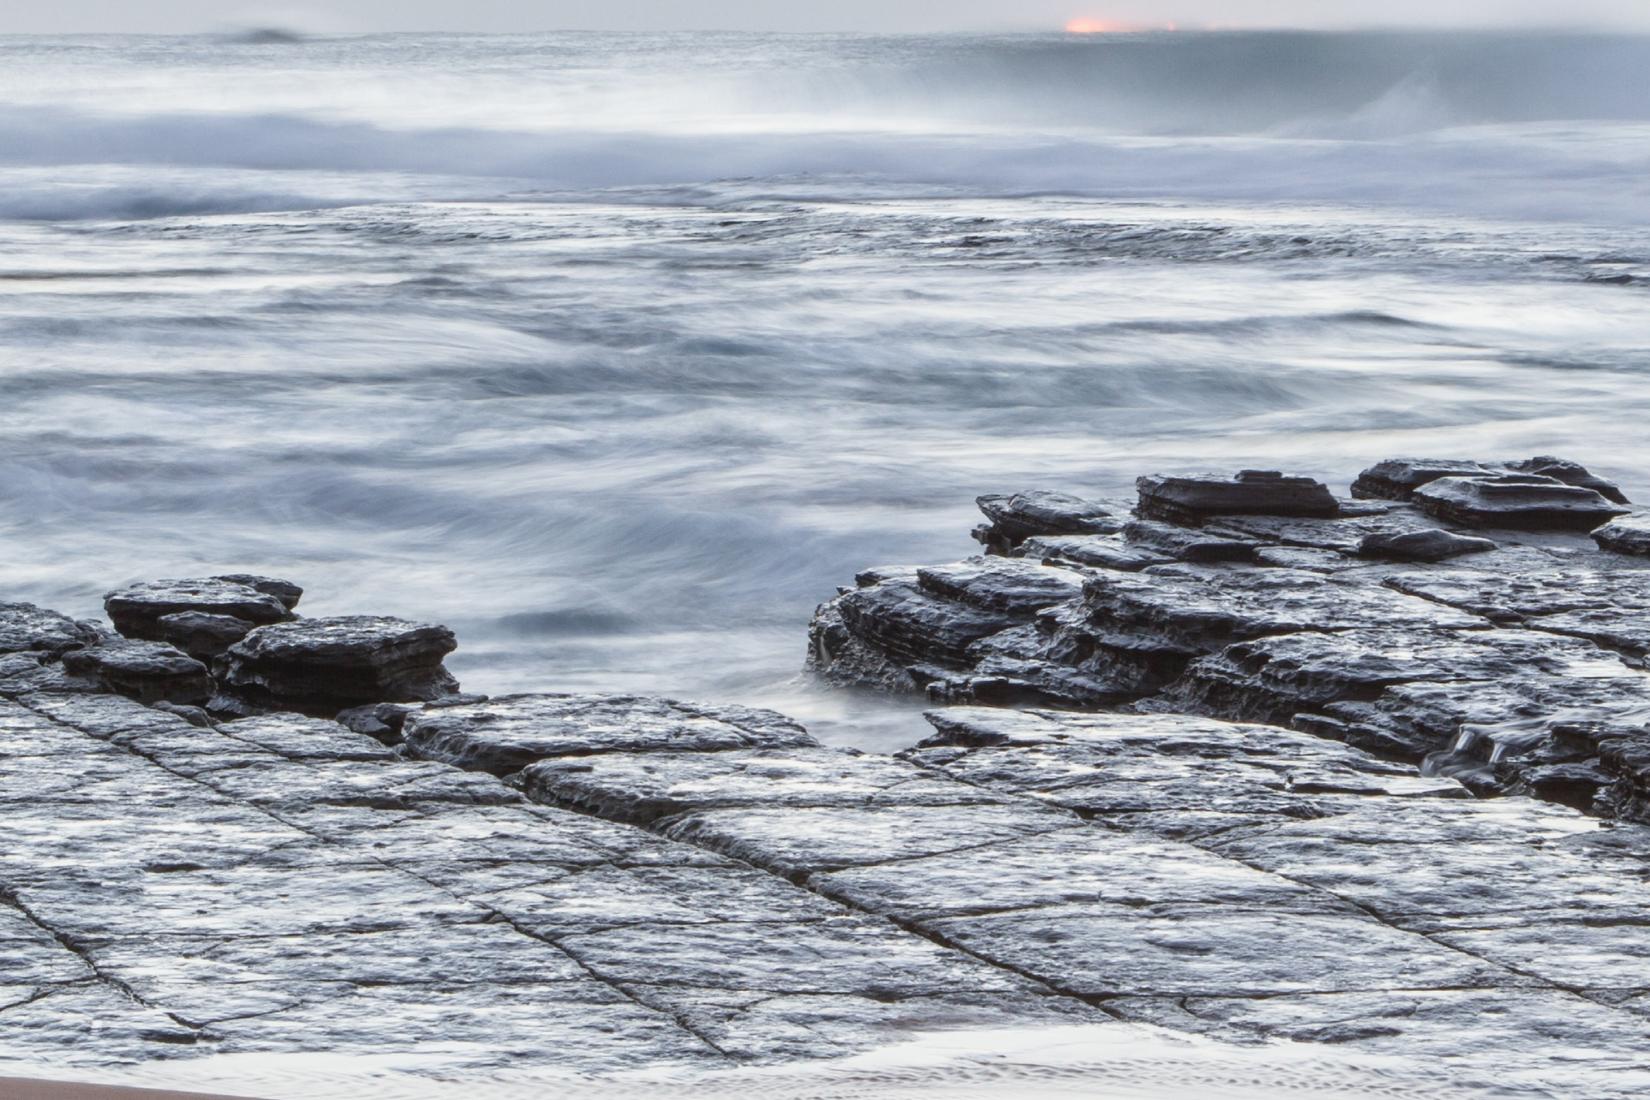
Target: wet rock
[195, 716]
[380, 721]
[150, 672]
[1398, 478]
[1525, 502]
[1276, 678]
[1025, 515]
[137, 609]
[1187, 545]
[1571, 473]
[1433, 545]
[323, 666]
[288, 593]
[25, 628]
[1197, 611]
[913, 626]
[1093, 551]
[1010, 586]
[1626, 535]
[202, 636]
[506, 734]
[1191, 500]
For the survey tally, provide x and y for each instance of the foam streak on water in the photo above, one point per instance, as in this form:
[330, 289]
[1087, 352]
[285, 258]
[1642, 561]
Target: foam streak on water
[618, 352]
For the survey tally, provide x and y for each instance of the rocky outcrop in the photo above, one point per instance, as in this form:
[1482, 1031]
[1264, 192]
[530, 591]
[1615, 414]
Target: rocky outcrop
[203, 636]
[1399, 478]
[323, 666]
[592, 884]
[1379, 625]
[137, 609]
[1525, 502]
[1190, 500]
[1015, 518]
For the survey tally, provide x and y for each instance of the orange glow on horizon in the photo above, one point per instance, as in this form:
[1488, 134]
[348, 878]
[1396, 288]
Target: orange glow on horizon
[1084, 24]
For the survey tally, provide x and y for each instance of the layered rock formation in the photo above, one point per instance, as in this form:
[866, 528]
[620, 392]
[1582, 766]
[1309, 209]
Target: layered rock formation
[1450, 612]
[595, 883]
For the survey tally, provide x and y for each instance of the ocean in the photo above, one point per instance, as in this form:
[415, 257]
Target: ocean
[618, 353]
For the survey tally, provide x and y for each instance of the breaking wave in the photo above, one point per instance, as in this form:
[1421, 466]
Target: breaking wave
[1524, 125]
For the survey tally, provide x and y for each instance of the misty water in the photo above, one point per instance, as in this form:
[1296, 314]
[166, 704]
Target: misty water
[618, 353]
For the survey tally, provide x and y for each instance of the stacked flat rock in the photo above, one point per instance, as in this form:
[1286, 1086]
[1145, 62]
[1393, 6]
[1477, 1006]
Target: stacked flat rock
[1480, 658]
[323, 666]
[1263, 492]
[1399, 478]
[150, 672]
[1525, 502]
[201, 635]
[1039, 512]
[137, 610]
[1627, 535]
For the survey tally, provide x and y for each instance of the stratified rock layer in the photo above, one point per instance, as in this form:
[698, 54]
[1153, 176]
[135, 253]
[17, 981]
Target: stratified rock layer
[1379, 625]
[136, 610]
[662, 884]
[323, 666]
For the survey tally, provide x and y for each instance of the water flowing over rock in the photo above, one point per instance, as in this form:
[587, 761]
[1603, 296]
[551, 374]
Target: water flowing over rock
[1375, 623]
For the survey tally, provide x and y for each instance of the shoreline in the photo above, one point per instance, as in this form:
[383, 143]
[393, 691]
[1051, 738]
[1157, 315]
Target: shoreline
[34, 1088]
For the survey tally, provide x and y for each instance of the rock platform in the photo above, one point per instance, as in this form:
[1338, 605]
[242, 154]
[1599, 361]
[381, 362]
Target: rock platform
[597, 883]
[1449, 612]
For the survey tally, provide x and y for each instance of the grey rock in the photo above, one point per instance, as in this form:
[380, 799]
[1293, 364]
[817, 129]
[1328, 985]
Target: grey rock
[1266, 492]
[1571, 473]
[381, 721]
[25, 628]
[1526, 502]
[323, 666]
[1025, 515]
[1398, 478]
[910, 624]
[508, 733]
[1005, 585]
[1187, 545]
[203, 636]
[1626, 535]
[150, 672]
[288, 593]
[137, 609]
[1433, 545]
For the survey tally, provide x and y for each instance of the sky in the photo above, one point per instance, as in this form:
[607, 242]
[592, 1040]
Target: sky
[167, 16]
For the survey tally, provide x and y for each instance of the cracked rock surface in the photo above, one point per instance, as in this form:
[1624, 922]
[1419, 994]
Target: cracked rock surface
[595, 883]
[1511, 654]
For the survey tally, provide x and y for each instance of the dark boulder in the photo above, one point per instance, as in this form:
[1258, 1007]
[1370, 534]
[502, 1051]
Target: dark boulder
[1430, 545]
[150, 672]
[323, 666]
[1024, 515]
[1627, 535]
[1525, 502]
[137, 609]
[1191, 500]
